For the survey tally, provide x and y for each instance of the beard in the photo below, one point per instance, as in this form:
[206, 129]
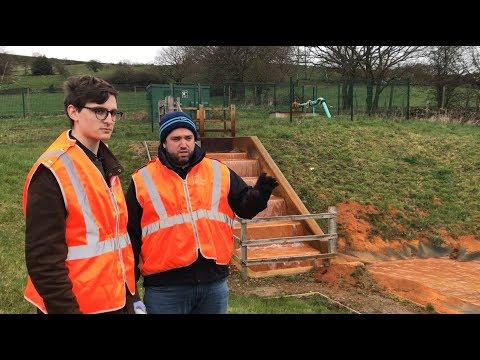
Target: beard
[177, 161]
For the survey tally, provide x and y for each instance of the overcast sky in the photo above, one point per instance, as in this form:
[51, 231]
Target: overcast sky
[105, 54]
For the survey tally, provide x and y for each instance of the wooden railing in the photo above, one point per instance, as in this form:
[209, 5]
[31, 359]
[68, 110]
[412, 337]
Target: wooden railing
[201, 118]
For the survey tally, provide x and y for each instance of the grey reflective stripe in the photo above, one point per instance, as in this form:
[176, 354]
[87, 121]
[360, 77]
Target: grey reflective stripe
[185, 218]
[212, 215]
[56, 153]
[48, 163]
[97, 248]
[217, 183]
[166, 221]
[94, 246]
[153, 193]
[92, 232]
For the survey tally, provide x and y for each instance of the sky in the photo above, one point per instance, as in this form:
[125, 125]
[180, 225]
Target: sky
[104, 54]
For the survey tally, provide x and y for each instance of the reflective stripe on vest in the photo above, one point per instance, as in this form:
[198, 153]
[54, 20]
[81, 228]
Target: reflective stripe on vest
[93, 247]
[167, 221]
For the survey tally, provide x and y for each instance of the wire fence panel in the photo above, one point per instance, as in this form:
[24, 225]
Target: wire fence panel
[43, 102]
[353, 97]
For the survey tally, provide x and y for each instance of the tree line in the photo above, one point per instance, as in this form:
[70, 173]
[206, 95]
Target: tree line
[444, 68]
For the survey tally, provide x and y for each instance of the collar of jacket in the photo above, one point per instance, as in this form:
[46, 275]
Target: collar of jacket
[110, 163]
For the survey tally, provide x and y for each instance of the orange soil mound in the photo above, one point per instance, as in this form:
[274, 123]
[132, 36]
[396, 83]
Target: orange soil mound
[354, 240]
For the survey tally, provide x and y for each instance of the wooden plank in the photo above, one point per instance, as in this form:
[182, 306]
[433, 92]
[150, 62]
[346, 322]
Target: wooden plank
[216, 120]
[215, 130]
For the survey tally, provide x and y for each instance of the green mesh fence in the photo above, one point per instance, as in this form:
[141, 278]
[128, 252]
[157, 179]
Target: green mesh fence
[359, 97]
[41, 102]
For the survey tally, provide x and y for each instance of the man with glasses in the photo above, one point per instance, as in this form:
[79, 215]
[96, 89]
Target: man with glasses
[77, 249]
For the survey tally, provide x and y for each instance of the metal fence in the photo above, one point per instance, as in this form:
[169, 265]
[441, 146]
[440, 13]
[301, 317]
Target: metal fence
[49, 101]
[358, 97]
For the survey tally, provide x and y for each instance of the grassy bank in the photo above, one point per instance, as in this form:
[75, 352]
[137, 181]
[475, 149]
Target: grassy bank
[426, 171]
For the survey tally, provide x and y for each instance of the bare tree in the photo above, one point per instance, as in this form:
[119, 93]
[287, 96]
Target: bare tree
[6, 64]
[474, 71]
[344, 59]
[475, 62]
[381, 65]
[448, 66]
[248, 63]
[219, 64]
[178, 61]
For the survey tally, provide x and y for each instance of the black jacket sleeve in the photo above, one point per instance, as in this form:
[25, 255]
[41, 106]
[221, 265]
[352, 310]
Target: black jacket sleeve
[134, 228]
[244, 200]
[45, 245]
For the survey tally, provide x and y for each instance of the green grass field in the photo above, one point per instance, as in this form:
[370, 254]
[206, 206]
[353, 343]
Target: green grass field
[427, 171]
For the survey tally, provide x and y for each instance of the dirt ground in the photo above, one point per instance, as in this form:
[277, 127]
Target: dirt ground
[360, 294]
[347, 279]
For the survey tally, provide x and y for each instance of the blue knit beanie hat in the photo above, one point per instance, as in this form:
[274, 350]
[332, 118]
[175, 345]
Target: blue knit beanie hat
[174, 120]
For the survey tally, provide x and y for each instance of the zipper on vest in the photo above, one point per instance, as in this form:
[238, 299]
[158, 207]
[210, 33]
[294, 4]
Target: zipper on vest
[190, 211]
[117, 226]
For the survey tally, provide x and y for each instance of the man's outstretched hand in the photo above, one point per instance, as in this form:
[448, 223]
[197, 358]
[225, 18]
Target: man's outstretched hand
[265, 184]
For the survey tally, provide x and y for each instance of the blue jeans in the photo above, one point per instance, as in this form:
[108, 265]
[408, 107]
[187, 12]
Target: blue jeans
[203, 298]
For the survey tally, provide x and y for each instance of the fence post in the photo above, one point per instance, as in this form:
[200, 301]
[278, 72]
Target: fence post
[232, 120]
[224, 96]
[408, 99]
[444, 88]
[274, 98]
[291, 98]
[332, 229]
[390, 100]
[23, 103]
[351, 100]
[229, 94]
[338, 99]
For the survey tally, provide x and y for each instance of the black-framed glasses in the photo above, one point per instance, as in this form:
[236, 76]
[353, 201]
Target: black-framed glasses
[102, 113]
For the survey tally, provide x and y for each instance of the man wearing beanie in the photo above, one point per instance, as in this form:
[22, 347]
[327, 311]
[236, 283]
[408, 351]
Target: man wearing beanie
[181, 212]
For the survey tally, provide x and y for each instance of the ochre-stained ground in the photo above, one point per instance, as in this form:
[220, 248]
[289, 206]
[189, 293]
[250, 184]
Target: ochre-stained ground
[442, 277]
[371, 275]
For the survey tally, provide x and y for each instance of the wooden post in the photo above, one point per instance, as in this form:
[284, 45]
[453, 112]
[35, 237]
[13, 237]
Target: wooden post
[201, 119]
[169, 102]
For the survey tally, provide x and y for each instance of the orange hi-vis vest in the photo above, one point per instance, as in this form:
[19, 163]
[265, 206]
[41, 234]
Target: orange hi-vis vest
[100, 256]
[181, 217]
